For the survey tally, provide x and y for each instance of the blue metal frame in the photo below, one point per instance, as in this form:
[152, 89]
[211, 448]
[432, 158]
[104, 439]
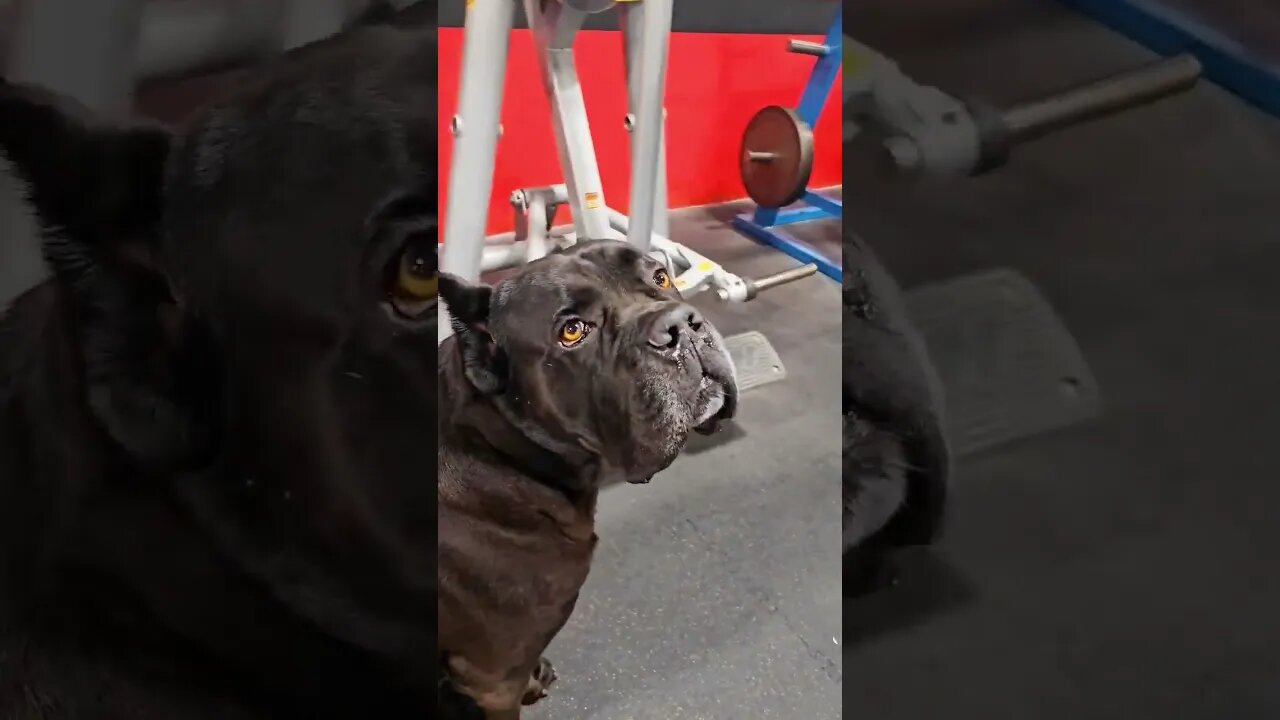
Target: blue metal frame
[1168, 33]
[761, 225]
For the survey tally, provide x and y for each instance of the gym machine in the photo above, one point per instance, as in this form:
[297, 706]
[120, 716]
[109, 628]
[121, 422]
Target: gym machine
[1242, 62]
[777, 158]
[646, 27]
[922, 131]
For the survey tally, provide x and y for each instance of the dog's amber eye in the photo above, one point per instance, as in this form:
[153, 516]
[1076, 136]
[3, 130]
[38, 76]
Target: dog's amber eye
[572, 332]
[662, 279]
[417, 277]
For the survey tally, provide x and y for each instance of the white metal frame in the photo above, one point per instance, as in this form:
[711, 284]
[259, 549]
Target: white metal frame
[646, 28]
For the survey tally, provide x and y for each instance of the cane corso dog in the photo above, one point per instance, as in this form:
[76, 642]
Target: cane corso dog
[217, 417]
[896, 458]
[582, 369]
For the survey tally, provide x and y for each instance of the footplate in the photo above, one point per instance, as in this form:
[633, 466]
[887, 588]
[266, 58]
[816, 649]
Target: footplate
[755, 360]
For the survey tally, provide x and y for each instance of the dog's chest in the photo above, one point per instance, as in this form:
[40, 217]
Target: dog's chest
[507, 566]
[504, 594]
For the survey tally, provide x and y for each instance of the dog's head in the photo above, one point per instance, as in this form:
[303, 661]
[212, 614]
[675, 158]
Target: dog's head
[253, 305]
[593, 355]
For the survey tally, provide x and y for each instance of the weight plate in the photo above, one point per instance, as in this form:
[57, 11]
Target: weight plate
[776, 157]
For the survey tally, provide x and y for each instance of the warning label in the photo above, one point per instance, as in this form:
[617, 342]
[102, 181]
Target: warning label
[591, 200]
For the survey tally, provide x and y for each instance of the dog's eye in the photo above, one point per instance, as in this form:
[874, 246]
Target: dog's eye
[573, 331]
[662, 279]
[416, 277]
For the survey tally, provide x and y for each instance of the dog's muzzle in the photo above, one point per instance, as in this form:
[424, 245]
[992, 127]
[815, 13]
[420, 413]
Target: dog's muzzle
[682, 334]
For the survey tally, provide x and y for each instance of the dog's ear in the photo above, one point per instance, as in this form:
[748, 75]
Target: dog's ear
[468, 304]
[96, 190]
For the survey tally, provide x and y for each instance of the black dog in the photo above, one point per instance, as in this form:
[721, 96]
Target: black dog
[583, 368]
[214, 488]
[896, 459]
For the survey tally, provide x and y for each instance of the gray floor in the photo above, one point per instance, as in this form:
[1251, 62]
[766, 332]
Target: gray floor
[1125, 568]
[715, 593]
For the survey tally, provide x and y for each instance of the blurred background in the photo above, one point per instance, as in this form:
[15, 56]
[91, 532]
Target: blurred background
[1111, 546]
[153, 58]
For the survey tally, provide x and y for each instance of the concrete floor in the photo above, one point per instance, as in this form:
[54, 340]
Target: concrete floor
[1123, 568]
[715, 593]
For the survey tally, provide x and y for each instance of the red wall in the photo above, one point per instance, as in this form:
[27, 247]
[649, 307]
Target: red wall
[715, 83]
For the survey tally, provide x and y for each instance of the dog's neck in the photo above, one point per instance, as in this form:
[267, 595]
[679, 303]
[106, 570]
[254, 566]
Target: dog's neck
[475, 424]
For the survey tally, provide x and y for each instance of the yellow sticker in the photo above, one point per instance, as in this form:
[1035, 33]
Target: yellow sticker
[705, 266]
[592, 200]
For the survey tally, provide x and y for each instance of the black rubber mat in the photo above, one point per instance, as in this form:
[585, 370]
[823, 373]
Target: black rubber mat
[1010, 368]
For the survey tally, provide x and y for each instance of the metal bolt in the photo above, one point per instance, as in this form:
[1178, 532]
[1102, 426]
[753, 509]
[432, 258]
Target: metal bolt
[804, 47]
[629, 120]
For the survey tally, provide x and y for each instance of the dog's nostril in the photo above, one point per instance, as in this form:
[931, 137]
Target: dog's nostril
[665, 338]
[673, 324]
[693, 320]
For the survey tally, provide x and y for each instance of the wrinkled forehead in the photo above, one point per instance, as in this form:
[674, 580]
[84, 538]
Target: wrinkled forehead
[588, 275]
[546, 289]
[274, 186]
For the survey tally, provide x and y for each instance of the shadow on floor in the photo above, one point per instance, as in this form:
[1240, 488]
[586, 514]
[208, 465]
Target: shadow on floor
[924, 586]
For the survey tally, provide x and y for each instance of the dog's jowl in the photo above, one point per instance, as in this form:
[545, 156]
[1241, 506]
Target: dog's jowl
[216, 417]
[583, 368]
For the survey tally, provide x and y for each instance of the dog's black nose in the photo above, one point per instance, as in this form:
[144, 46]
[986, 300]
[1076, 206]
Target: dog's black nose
[680, 323]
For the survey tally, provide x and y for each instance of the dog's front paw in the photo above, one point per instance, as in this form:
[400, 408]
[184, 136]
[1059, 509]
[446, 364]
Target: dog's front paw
[539, 680]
